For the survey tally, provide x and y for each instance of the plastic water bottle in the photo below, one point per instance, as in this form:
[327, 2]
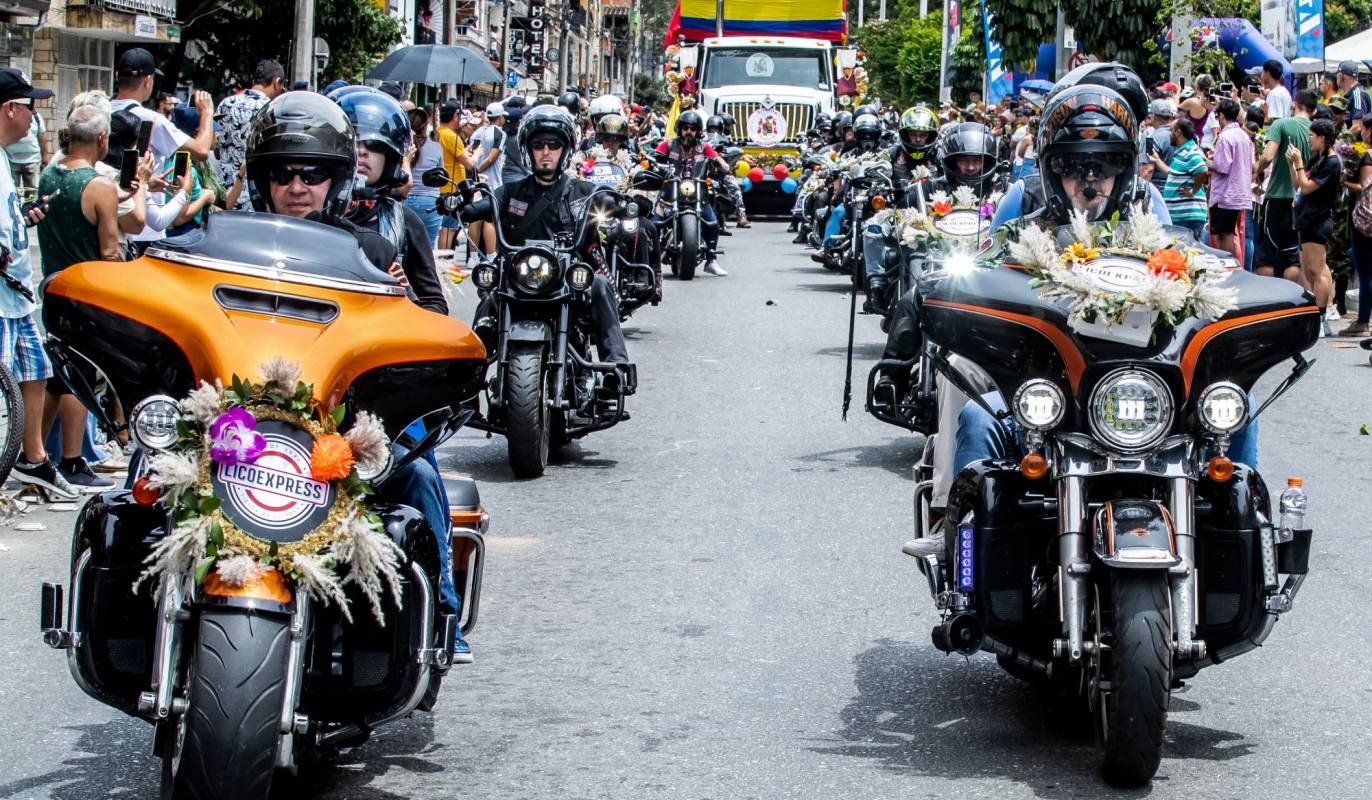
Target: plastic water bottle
[1292, 505]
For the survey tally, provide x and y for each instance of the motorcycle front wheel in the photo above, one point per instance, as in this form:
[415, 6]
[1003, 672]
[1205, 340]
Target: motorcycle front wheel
[688, 247]
[226, 742]
[526, 410]
[1133, 714]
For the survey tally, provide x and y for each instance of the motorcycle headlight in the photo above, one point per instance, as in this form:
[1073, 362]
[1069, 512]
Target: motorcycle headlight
[1039, 405]
[153, 422]
[688, 188]
[1131, 410]
[1223, 407]
[535, 269]
[580, 277]
[484, 276]
[629, 225]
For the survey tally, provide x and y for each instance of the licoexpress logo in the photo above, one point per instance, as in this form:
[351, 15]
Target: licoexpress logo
[274, 498]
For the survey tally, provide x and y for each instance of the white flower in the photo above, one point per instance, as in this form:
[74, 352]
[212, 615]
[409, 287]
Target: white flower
[1165, 294]
[367, 437]
[285, 374]
[1211, 298]
[921, 173]
[1143, 232]
[373, 560]
[172, 473]
[179, 551]
[203, 404]
[316, 576]
[964, 196]
[1081, 228]
[994, 198]
[238, 570]
[1035, 248]
[939, 197]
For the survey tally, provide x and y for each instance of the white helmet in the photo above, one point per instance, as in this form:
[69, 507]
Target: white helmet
[606, 104]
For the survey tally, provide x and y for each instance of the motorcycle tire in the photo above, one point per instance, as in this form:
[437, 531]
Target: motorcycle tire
[526, 410]
[688, 248]
[1133, 714]
[11, 422]
[227, 750]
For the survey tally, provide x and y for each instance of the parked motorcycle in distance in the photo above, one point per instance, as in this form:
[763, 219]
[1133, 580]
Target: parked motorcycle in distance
[248, 673]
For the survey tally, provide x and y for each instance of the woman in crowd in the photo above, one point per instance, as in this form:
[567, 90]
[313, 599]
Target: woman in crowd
[427, 155]
[1317, 185]
[1362, 244]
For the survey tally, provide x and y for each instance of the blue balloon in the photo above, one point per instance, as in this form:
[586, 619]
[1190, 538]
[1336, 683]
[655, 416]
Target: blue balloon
[789, 185]
[746, 185]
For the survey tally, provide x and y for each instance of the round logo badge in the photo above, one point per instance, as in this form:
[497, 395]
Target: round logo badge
[962, 223]
[1116, 273]
[274, 498]
[766, 126]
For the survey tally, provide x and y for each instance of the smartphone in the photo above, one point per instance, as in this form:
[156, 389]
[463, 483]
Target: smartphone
[144, 136]
[1151, 145]
[128, 169]
[181, 162]
[1226, 88]
[40, 203]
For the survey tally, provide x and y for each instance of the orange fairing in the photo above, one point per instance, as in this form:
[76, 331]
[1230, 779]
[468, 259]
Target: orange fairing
[179, 301]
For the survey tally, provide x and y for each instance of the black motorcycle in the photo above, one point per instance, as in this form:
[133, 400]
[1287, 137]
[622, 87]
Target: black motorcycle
[635, 283]
[682, 192]
[547, 389]
[1120, 550]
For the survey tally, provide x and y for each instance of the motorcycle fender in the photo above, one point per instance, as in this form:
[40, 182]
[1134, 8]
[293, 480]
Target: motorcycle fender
[528, 330]
[1135, 534]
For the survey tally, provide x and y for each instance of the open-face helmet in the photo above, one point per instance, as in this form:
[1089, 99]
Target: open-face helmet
[612, 127]
[689, 128]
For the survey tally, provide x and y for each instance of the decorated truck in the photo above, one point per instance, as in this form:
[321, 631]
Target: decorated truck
[774, 69]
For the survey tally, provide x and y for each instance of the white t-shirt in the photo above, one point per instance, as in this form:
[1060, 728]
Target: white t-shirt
[491, 137]
[1278, 103]
[166, 137]
[14, 235]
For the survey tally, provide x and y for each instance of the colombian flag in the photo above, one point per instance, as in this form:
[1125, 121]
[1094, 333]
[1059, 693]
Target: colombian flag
[811, 19]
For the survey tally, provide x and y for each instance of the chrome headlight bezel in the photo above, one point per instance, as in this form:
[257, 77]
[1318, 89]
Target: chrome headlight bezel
[153, 422]
[535, 269]
[1146, 437]
[1037, 391]
[1223, 391]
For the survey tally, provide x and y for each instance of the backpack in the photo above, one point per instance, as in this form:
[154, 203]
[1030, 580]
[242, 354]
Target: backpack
[1362, 211]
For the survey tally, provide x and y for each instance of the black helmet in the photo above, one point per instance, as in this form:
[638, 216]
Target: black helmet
[842, 122]
[1114, 76]
[613, 126]
[551, 120]
[970, 139]
[729, 123]
[918, 121]
[714, 124]
[570, 101]
[1087, 130]
[303, 128]
[824, 123]
[379, 120]
[516, 101]
[691, 118]
[867, 130]
[865, 108]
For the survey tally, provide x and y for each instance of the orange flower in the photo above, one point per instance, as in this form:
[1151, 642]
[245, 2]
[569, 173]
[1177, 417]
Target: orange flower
[1168, 263]
[331, 459]
[942, 208]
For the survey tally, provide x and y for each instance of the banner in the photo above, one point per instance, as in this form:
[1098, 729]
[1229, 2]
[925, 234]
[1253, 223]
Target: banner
[809, 19]
[1000, 82]
[1279, 25]
[1310, 29]
[536, 40]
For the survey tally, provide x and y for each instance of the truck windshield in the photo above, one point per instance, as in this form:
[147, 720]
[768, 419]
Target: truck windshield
[773, 67]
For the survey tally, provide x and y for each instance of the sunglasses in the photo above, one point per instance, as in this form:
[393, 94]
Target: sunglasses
[310, 176]
[545, 144]
[1079, 168]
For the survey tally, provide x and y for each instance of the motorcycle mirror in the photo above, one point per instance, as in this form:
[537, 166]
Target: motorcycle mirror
[435, 178]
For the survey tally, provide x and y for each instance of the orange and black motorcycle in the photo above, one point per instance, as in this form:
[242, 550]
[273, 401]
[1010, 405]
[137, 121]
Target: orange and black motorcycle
[245, 676]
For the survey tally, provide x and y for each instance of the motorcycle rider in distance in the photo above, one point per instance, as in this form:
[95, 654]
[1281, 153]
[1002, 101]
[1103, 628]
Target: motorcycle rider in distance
[918, 132]
[717, 128]
[683, 154]
[866, 138]
[1089, 160]
[383, 134]
[599, 108]
[546, 203]
[301, 161]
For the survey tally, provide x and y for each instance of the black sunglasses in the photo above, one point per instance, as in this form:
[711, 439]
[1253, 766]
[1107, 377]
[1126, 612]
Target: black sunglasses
[1079, 168]
[545, 144]
[310, 176]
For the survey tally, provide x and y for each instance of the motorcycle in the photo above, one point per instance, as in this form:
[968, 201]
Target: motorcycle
[635, 283]
[546, 390]
[1113, 558]
[866, 190]
[243, 677]
[680, 198]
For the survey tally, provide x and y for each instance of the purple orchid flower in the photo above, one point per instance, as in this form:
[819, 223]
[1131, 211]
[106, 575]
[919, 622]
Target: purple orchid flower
[233, 438]
[988, 210]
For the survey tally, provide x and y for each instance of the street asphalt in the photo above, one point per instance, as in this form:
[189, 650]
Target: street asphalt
[708, 602]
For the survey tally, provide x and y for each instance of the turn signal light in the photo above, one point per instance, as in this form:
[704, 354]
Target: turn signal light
[144, 493]
[1220, 469]
[1034, 466]
[878, 202]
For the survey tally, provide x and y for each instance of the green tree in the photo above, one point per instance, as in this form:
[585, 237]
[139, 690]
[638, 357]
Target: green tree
[1022, 25]
[903, 56]
[1118, 31]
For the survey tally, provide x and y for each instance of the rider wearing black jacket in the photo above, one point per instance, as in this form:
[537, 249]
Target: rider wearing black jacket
[543, 206]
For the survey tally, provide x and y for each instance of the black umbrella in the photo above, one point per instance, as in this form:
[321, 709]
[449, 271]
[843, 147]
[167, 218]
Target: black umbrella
[436, 64]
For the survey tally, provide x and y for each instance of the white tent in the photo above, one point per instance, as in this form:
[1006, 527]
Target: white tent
[1357, 47]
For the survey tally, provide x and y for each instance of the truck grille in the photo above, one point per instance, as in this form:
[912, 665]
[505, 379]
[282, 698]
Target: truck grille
[799, 118]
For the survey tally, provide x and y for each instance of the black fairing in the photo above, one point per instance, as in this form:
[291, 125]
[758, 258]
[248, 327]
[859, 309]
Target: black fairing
[137, 359]
[401, 393]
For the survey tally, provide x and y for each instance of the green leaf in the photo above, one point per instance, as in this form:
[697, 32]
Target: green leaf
[209, 504]
[216, 536]
[203, 568]
[211, 549]
[1363, 430]
[272, 550]
[338, 413]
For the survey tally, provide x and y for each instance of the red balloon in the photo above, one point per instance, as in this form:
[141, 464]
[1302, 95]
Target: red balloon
[755, 175]
[780, 172]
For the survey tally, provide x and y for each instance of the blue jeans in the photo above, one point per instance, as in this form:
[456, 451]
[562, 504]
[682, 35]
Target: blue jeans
[979, 438]
[428, 213]
[88, 448]
[1361, 247]
[419, 486]
[873, 248]
[835, 225]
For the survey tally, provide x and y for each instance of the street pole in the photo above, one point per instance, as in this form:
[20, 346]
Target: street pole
[302, 63]
[943, 92]
[860, 3]
[449, 35]
[882, 12]
[719, 17]
[565, 61]
[505, 45]
[923, 9]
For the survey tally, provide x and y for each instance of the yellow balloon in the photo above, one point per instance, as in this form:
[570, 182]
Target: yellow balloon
[742, 169]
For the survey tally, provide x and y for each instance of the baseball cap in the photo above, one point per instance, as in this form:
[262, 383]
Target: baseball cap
[14, 84]
[392, 89]
[338, 84]
[136, 62]
[1349, 68]
[1170, 87]
[1338, 103]
[1162, 108]
[186, 119]
[495, 110]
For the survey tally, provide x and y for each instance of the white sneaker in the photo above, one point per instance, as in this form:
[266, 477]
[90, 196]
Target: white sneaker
[713, 268]
[1332, 314]
[931, 545]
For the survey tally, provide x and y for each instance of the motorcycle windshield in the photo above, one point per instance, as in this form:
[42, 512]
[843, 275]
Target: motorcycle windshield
[274, 242]
[996, 319]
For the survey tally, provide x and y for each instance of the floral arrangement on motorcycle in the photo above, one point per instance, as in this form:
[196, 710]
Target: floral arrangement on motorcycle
[948, 219]
[296, 503]
[1124, 278]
